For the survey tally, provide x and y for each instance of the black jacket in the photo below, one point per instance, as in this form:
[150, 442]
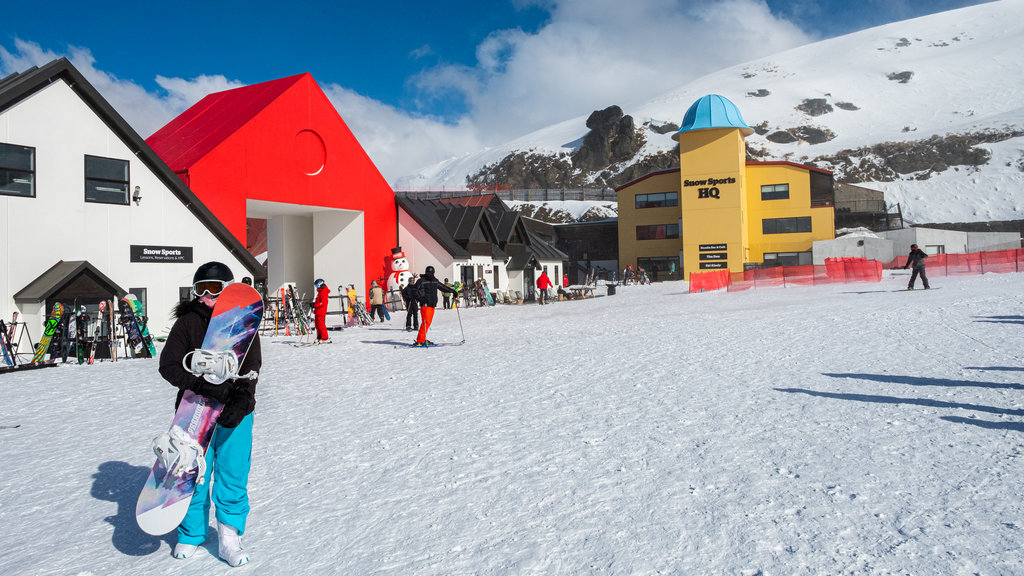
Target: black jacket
[916, 258]
[187, 335]
[430, 286]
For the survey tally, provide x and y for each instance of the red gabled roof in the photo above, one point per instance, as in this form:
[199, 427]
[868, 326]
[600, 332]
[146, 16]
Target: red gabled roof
[212, 120]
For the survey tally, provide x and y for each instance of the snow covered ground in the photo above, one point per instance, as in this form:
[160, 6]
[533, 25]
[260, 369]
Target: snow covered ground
[844, 429]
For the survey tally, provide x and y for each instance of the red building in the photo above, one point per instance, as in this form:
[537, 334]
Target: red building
[279, 152]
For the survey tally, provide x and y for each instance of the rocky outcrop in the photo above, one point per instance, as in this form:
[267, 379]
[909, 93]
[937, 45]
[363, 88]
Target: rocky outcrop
[613, 137]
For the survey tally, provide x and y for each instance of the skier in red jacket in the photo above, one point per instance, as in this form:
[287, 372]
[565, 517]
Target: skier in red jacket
[320, 311]
[543, 283]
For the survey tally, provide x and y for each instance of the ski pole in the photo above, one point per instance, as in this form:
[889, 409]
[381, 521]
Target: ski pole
[459, 315]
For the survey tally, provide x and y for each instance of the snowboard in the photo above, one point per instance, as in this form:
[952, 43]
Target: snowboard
[81, 333]
[140, 321]
[164, 499]
[915, 289]
[132, 334]
[49, 330]
[487, 293]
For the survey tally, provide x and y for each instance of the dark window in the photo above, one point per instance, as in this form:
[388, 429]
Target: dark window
[657, 232]
[775, 192]
[106, 180]
[659, 200]
[822, 189]
[786, 225]
[17, 170]
[661, 268]
[773, 259]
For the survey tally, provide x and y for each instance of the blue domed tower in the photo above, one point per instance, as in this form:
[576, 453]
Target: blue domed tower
[713, 111]
[712, 168]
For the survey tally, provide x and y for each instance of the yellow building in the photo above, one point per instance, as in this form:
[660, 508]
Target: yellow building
[719, 211]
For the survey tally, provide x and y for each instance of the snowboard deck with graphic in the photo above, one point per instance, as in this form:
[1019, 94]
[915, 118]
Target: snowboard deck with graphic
[142, 324]
[49, 330]
[164, 499]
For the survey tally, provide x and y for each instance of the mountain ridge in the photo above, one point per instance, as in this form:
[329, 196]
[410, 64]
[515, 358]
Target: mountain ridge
[928, 110]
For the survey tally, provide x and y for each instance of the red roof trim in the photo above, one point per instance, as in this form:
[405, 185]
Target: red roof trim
[786, 163]
[645, 177]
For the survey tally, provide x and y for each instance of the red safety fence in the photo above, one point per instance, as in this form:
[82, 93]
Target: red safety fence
[845, 270]
[997, 261]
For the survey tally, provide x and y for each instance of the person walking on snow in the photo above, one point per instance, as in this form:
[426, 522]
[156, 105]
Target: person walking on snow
[227, 458]
[426, 288]
[376, 301]
[320, 310]
[543, 283]
[916, 260]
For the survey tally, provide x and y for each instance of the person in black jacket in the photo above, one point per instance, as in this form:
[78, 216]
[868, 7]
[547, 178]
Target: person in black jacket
[916, 259]
[426, 288]
[412, 307]
[227, 458]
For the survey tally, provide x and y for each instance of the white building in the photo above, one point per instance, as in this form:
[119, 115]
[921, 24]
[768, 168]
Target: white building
[476, 238]
[89, 211]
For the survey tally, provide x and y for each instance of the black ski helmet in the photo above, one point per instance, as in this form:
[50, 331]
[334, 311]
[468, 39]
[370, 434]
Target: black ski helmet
[318, 282]
[429, 271]
[913, 246]
[213, 271]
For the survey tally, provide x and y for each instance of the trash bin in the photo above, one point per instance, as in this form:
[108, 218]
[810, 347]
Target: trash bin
[611, 289]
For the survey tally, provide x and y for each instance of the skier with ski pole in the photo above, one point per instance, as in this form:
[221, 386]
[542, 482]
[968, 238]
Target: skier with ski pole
[227, 458]
[425, 291]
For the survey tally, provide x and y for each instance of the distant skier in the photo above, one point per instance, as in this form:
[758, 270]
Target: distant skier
[227, 458]
[543, 283]
[425, 290]
[916, 260]
[320, 310]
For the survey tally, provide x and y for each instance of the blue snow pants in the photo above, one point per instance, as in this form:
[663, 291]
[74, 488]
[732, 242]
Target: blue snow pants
[227, 460]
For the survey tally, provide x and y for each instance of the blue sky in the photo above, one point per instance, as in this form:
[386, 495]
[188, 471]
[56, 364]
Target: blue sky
[421, 81]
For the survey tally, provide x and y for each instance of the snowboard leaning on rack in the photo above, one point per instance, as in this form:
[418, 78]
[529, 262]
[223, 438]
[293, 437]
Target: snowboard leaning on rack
[143, 325]
[49, 330]
[165, 497]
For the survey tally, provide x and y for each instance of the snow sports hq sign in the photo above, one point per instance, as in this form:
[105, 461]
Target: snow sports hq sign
[176, 254]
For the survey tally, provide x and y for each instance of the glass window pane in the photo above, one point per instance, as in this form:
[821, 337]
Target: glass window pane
[106, 168]
[17, 157]
[17, 183]
[106, 192]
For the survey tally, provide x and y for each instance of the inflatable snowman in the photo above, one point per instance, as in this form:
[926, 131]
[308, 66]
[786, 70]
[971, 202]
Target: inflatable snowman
[400, 275]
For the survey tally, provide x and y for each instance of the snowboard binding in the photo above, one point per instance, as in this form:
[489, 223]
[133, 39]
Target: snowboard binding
[179, 453]
[216, 367]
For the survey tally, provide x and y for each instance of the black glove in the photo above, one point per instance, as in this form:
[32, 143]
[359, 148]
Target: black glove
[218, 392]
[237, 407]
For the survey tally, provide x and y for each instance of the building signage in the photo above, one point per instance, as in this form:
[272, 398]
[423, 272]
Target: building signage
[713, 265]
[178, 254]
[714, 256]
[708, 187]
[712, 247]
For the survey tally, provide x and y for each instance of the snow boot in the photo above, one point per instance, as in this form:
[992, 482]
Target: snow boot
[182, 551]
[910, 287]
[230, 545]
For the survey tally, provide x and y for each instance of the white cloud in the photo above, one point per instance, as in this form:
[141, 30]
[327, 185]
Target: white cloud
[589, 55]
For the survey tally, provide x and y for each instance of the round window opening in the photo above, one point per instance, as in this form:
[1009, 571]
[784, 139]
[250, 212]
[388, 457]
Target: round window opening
[310, 152]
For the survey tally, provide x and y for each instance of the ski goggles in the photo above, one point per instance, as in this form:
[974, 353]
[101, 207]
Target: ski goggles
[211, 287]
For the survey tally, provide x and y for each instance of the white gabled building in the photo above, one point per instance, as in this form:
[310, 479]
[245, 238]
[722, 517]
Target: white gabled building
[88, 211]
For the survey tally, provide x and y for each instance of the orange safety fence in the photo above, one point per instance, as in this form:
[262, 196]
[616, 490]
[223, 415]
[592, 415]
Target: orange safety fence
[996, 261]
[845, 270]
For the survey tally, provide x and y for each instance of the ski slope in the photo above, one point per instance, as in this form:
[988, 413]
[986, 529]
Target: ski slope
[813, 430]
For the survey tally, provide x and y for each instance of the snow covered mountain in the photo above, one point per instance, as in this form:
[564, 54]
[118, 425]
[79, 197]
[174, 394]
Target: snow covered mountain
[930, 110]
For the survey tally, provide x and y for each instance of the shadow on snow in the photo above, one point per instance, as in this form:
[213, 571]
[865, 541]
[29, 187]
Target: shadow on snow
[120, 483]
